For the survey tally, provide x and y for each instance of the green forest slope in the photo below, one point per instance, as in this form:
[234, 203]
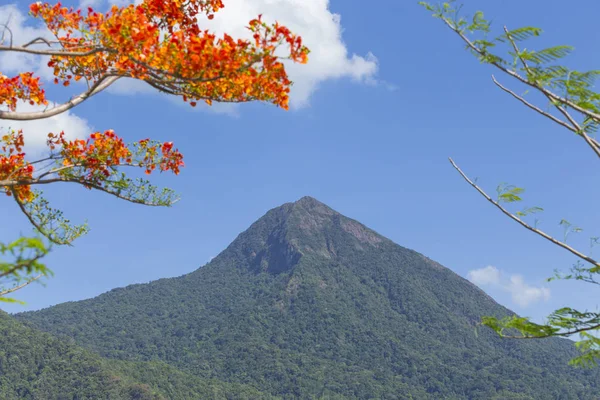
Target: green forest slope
[36, 365]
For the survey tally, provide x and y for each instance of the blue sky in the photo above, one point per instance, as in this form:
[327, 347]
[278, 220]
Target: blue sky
[373, 146]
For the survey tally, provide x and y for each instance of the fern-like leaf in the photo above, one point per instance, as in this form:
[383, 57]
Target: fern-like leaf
[546, 55]
[520, 34]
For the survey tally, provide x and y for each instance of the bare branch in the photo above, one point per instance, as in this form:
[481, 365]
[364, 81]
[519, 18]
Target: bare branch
[60, 53]
[7, 29]
[534, 107]
[523, 223]
[36, 41]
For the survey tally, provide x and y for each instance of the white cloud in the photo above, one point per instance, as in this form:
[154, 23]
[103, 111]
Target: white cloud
[90, 3]
[521, 293]
[22, 29]
[484, 276]
[36, 132]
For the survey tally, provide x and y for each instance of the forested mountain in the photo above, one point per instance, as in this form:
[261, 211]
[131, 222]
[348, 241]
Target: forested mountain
[36, 365]
[309, 304]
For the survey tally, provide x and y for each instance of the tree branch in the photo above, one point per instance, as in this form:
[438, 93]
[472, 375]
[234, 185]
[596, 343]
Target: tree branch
[534, 107]
[36, 41]
[59, 53]
[82, 182]
[19, 266]
[98, 86]
[21, 286]
[37, 226]
[523, 223]
[565, 334]
[564, 112]
[515, 75]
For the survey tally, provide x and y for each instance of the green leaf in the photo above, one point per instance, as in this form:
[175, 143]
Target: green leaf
[427, 6]
[530, 210]
[546, 55]
[509, 193]
[519, 34]
[11, 300]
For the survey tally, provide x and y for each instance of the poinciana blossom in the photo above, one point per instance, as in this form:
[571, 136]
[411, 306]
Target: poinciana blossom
[159, 42]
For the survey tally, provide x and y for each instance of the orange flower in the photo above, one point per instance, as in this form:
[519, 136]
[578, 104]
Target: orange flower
[195, 64]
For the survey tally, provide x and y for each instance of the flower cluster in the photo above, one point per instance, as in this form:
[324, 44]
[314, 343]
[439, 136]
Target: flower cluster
[161, 43]
[24, 87]
[13, 166]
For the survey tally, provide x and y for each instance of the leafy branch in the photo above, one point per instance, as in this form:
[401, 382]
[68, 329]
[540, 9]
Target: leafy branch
[574, 105]
[18, 260]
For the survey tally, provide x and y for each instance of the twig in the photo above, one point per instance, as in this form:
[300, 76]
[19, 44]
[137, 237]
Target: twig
[564, 112]
[523, 223]
[82, 182]
[60, 53]
[533, 107]
[515, 75]
[6, 28]
[19, 266]
[21, 286]
[567, 333]
[37, 226]
[37, 40]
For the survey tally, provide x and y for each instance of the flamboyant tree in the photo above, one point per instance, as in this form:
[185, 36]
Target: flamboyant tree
[573, 104]
[158, 42]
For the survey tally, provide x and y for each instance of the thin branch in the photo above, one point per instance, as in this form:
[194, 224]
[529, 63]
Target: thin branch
[59, 53]
[7, 29]
[183, 80]
[10, 183]
[21, 286]
[37, 226]
[515, 75]
[566, 333]
[12, 174]
[521, 222]
[82, 182]
[98, 86]
[533, 107]
[36, 41]
[564, 112]
[19, 266]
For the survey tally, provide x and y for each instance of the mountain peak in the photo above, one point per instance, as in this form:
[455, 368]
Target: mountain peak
[310, 203]
[278, 240]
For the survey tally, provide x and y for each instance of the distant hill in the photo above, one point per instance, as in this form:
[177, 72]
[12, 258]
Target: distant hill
[309, 304]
